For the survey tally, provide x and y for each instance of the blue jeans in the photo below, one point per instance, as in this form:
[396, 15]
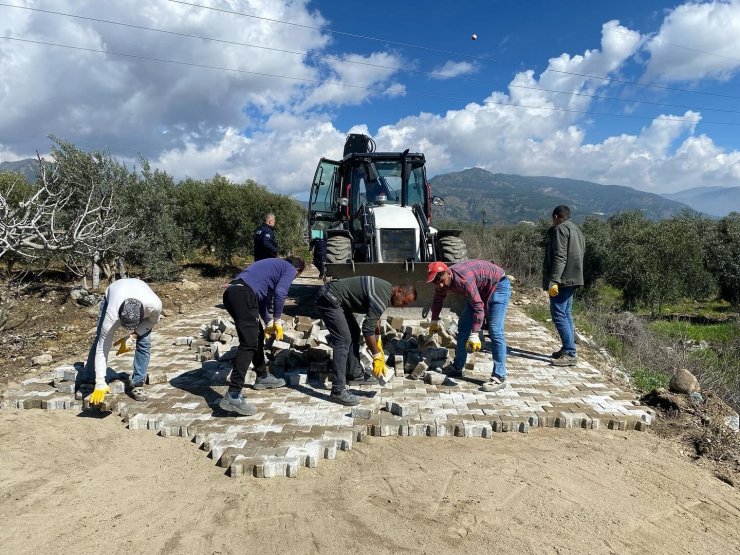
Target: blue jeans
[496, 310]
[141, 356]
[561, 310]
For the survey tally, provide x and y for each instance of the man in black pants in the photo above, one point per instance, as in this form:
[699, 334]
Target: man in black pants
[337, 302]
[247, 298]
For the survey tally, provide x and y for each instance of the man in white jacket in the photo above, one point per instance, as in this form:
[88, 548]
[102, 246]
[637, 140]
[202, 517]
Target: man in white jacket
[131, 305]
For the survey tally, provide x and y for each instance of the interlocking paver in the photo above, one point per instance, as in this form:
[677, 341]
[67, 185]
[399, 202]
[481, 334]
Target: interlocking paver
[297, 426]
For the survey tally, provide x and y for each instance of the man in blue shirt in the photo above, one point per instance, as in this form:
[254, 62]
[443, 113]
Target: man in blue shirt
[265, 242]
[247, 297]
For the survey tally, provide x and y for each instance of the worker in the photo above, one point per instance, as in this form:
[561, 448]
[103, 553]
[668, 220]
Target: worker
[337, 302]
[247, 298]
[318, 244]
[562, 275]
[487, 291]
[265, 242]
[132, 305]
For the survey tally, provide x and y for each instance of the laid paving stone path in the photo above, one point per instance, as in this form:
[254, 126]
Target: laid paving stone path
[297, 426]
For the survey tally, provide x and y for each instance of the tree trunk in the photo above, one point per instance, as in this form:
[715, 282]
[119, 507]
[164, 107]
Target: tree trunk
[96, 271]
[121, 267]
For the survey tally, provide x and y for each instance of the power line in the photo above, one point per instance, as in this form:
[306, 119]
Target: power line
[380, 66]
[462, 54]
[363, 87]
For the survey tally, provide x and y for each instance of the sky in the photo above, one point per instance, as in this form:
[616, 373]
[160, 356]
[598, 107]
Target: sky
[642, 93]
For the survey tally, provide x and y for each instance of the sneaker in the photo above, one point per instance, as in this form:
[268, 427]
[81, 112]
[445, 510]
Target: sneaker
[237, 404]
[565, 360]
[364, 379]
[557, 354]
[268, 382]
[138, 393]
[494, 384]
[345, 398]
[452, 371]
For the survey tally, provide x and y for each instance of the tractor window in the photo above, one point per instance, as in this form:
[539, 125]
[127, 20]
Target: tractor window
[323, 191]
[416, 188]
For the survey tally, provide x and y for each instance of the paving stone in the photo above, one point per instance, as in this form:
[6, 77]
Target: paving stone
[296, 427]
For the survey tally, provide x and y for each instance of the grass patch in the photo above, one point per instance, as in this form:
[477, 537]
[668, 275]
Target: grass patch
[678, 329]
[646, 380]
[538, 312]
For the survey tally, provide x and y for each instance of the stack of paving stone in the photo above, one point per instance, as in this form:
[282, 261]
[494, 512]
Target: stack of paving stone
[305, 351]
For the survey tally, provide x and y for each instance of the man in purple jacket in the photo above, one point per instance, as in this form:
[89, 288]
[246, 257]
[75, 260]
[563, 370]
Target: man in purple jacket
[246, 299]
[487, 291]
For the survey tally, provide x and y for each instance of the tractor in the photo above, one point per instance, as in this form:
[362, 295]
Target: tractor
[376, 210]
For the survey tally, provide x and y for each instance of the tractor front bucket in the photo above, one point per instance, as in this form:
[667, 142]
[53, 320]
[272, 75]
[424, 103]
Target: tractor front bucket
[397, 273]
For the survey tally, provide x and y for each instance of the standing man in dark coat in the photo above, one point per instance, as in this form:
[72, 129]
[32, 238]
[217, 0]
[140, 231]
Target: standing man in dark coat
[318, 244]
[265, 242]
[562, 275]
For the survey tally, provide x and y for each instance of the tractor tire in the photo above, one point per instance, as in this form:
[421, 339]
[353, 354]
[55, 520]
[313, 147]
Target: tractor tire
[452, 249]
[338, 250]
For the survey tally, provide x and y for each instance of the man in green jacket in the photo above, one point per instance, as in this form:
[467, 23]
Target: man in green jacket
[562, 274]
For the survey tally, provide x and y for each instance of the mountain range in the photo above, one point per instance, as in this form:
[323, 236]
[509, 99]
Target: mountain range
[715, 201]
[26, 167]
[476, 194]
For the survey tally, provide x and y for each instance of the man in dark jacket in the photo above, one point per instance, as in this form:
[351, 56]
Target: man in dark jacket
[318, 244]
[337, 303]
[265, 242]
[247, 298]
[562, 274]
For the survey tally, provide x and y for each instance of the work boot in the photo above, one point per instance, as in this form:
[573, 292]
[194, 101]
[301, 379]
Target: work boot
[138, 393]
[494, 384]
[345, 398]
[363, 379]
[237, 404]
[452, 371]
[268, 381]
[565, 360]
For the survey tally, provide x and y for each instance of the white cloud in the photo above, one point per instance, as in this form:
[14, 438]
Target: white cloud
[697, 41]
[200, 122]
[452, 69]
[356, 78]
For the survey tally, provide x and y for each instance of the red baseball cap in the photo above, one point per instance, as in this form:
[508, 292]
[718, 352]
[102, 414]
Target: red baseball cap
[433, 269]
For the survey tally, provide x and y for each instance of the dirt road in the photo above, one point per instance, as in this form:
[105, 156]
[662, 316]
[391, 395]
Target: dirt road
[70, 484]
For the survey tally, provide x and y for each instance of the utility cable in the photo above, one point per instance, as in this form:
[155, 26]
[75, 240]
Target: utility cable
[368, 64]
[340, 84]
[462, 54]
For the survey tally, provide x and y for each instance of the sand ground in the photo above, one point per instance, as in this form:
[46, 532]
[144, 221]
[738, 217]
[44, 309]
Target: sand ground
[71, 484]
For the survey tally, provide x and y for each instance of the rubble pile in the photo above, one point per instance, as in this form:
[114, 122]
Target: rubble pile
[305, 349]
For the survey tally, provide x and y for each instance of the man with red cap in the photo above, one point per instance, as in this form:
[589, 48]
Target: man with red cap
[487, 291]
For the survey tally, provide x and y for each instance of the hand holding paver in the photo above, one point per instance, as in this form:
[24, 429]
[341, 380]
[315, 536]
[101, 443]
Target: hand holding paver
[123, 347]
[278, 331]
[98, 396]
[378, 364]
[433, 327]
[472, 345]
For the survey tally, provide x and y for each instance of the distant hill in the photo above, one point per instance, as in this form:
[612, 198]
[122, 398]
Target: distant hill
[26, 167]
[715, 201]
[513, 198]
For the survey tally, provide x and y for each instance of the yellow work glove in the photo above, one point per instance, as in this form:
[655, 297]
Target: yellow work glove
[98, 396]
[433, 326]
[278, 331]
[554, 290]
[269, 328]
[380, 344]
[472, 345]
[122, 346]
[378, 364]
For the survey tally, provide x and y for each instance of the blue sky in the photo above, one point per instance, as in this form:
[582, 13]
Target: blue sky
[519, 99]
